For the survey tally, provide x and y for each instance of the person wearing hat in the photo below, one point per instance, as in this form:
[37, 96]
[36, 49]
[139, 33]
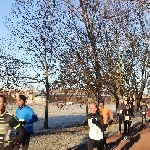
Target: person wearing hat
[127, 114]
[120, 108]
[143, 111]
[27, 117]
[105, 111]
[7, 123]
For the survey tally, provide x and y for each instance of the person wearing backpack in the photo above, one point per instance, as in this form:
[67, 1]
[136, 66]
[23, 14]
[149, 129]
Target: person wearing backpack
[143, 111]
[120, 109]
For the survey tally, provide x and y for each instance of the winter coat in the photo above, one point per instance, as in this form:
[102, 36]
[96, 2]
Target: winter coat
[127, 113]
[96, 127]
[27, 114]
[143, 109]
[105, 112]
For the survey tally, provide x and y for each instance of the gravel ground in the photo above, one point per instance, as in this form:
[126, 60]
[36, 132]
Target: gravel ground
[68, 137]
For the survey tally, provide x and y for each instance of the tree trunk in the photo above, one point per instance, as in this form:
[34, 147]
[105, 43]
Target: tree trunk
[47, 99]
[137, 103]
[117, 101]
[46, 85]
[98, 97]
[86, 111]
[132, 100]
[138, 96]
[86, 117]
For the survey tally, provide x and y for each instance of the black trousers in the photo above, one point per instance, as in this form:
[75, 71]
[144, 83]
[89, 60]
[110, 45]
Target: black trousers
[98, 143]
[121, 118]
[104, 138]
[24, 143]
[143, 118]
[127, 125]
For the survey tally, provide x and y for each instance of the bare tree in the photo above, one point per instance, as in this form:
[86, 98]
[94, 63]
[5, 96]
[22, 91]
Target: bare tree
[10, 72]
[104, 49]
[34, 22]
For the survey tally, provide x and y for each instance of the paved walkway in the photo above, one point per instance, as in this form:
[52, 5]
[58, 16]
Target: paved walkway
[140, 140]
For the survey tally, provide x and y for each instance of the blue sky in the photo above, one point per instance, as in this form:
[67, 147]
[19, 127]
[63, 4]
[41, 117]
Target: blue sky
[5, 9]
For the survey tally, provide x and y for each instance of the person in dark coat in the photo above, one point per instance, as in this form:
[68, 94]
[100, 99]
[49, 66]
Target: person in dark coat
[127, 114]
[120, 108]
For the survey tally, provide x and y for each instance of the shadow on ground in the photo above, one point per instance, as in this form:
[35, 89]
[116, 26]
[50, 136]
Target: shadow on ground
[59, 124]
[81, 146]
[131, 142]
[134, 138]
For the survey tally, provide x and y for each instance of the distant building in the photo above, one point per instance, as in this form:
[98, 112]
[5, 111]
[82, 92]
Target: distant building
[40, 98]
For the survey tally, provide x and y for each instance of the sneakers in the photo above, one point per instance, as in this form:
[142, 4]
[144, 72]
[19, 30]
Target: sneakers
[106, 146]
[127, 137]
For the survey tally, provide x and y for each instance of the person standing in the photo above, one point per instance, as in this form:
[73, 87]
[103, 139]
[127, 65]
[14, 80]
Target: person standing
[120, 108]
[7, 123]
[143, 111]
[127, 114]
[95, 122]
[27, 117]
[105, 112]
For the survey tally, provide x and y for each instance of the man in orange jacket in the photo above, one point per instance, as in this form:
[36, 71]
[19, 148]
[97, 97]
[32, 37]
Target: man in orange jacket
[105, 112]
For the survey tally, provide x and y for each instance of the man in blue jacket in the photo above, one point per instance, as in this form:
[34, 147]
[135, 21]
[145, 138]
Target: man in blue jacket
[26, 116]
